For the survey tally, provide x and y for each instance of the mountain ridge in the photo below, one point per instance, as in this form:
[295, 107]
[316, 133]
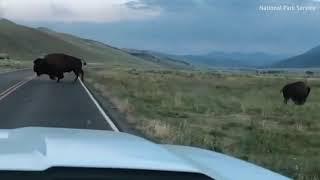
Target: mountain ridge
[218, 59]
[309, 59]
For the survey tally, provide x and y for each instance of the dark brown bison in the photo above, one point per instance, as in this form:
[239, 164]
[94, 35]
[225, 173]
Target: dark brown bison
[55, 65]
[297, 92]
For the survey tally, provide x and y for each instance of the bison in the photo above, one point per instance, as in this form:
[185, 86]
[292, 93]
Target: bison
[297, 92]
[55, 65]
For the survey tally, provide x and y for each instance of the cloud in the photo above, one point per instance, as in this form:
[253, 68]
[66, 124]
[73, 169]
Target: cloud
[99, 11]
[235, 25]
[177, 26]
[1, 8]
[183, 5]
[168, 5]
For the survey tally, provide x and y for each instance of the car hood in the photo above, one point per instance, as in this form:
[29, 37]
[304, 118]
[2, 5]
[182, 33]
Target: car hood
[37, 149]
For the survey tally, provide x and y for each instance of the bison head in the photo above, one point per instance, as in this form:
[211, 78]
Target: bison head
[40, 66]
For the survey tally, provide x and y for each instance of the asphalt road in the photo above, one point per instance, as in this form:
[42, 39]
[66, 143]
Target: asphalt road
[26, 100]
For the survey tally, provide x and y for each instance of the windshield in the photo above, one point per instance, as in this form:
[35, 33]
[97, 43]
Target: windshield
[240, 78]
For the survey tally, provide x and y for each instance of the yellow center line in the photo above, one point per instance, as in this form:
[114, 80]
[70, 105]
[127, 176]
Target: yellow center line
[7, 90]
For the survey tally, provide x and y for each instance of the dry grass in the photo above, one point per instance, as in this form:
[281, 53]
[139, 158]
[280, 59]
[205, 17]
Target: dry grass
[6, 65]
[240, 115]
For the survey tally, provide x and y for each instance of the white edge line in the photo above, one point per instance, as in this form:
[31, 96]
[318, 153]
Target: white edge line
[14, 88]
[106, 117]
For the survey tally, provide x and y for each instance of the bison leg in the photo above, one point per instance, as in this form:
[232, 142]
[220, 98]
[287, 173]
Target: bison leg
[52, 77]
[77, 75]
[77, 72]
[285, 97]
[82, 74]
[60, 76]
[285, 101]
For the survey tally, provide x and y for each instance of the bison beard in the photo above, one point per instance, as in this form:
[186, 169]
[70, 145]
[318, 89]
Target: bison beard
[297, 92]
[55, 65]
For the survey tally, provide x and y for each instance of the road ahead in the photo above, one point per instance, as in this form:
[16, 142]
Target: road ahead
[26, 100]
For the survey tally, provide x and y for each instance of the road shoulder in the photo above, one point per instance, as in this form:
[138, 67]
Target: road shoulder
[117, 117]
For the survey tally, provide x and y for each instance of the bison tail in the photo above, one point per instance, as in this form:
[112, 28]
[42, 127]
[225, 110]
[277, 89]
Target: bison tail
[84, 62]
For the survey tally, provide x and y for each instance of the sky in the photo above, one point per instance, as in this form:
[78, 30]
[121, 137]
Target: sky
[179, 26]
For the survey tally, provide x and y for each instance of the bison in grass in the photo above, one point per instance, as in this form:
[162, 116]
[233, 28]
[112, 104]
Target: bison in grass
[55, 65]
[297, 92]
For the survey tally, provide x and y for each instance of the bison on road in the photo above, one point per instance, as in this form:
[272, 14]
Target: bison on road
[297, 92]
[55, 65]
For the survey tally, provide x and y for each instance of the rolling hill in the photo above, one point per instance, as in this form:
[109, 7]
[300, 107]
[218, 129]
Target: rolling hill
[102, 51]
[160, 58]
[309, 59]
[208, 61]
[26, 44]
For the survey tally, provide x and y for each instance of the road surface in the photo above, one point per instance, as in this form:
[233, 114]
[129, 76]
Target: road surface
[26, 100]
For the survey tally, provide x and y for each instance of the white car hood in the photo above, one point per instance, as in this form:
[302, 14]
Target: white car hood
[37, 149]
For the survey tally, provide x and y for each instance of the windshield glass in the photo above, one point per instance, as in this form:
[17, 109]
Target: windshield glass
[240, 78]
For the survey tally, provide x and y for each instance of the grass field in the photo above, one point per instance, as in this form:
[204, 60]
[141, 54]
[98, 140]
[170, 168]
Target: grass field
[240, 115]
[7, 65]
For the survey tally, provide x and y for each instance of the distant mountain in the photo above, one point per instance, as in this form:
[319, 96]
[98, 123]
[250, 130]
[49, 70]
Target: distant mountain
[161, 58]
[309, 59]
[223, 59]
[208, 61]
[211, 60]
